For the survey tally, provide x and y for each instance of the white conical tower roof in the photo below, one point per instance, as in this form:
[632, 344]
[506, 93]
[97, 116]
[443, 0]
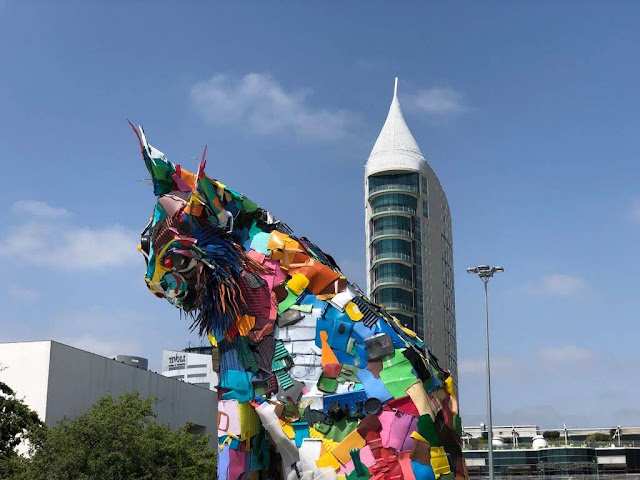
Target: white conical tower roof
[395, 146]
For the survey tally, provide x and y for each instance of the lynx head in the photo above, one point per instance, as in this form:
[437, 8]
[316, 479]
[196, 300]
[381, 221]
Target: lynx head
[193, 242]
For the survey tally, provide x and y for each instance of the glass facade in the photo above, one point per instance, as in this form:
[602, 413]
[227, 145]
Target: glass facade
[401, 181]
[543, 463]
[395, 298]
[387, 247]
[394, 201]
[394, 270]
[391, 224]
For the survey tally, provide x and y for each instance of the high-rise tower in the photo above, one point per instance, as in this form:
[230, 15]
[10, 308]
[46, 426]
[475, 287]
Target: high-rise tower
[409, 241]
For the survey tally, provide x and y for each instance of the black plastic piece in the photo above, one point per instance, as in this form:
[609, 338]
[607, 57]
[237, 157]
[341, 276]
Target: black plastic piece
[372, 406]
[418, 364]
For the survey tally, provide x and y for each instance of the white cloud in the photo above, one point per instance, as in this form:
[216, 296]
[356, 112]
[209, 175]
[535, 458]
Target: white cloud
[101, 346]
[566, 354]
[22, 293]
[261, 103]
[97, 329]
[564, 285]
[477, 366]
[35, 208]
[557, 284]
[68, 247]
[439, 101]
[51, 242]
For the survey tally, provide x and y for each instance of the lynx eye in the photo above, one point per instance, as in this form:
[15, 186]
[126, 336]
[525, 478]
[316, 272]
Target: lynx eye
[178, 261]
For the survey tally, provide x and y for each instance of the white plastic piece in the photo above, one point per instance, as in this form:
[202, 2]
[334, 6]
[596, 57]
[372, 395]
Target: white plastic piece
[271, 422]
[341, 299]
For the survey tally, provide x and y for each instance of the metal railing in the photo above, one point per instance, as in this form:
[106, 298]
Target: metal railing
[399, 306]
[393, 255]
[394, 186]
[394, 208]
[392, 280]
[391, 231]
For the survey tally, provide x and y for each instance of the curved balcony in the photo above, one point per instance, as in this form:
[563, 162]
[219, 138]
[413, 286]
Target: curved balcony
[399, 306]
[390, 232]
[394, 187]
[393, 281]
[393, 209]
[397, 256]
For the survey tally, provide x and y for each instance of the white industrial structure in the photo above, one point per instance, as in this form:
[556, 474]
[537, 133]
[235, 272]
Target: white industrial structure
[409, 238]
[57, 381]
[190, 367]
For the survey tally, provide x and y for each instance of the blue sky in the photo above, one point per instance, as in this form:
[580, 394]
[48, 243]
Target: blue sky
[528, 113]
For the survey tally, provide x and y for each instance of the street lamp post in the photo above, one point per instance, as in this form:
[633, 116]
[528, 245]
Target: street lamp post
[485, 272]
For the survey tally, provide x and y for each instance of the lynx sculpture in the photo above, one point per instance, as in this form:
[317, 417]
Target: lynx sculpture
[316, 380]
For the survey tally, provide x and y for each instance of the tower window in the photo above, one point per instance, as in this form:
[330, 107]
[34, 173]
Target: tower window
[425, 209]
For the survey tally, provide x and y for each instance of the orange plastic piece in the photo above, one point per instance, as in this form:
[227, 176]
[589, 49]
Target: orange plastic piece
[245, 324]
[327, 354]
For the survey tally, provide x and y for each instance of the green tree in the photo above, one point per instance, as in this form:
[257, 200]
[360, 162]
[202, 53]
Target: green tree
[551, 435]
[18, 423]
[118, 439]
[598, 437]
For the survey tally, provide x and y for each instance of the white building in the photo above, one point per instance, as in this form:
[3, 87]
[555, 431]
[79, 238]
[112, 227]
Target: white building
[57, 381]
[190, 366]
[409, 239]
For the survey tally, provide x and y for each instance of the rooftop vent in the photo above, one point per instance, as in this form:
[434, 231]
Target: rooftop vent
[137, 362]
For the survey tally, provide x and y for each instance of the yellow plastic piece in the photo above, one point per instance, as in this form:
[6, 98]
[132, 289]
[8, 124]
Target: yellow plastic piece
[439, 461]
[298, 283]
[226, 442]
[342, 476]
[353, 311]
[407, 331]
[448, 385]
[287, 429]
[327, 443]
[327, 354]
[249, 421]
[417, 436]
[328, 460]
[212, 340]
[351, 441]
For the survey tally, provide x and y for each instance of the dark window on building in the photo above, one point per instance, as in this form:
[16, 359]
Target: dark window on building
[391, 224]
[389, 246]
[425, 209]
[395, 298]
[406, 320]
[394, 270]
[402, 180]
[395, 200]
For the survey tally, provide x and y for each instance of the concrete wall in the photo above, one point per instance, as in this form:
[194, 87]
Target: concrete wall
[76, 379]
